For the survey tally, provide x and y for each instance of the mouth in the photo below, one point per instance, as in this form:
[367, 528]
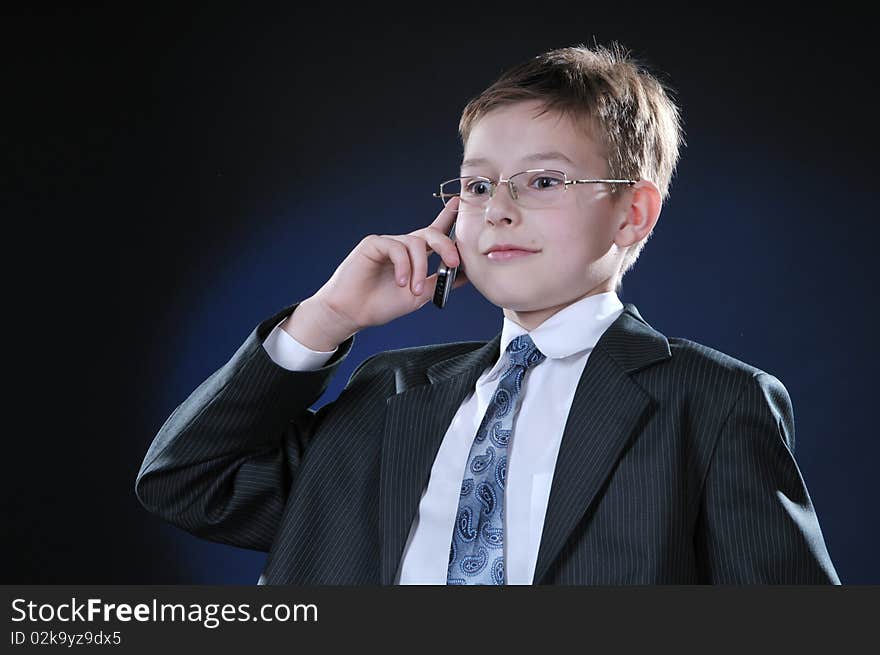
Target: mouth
[509, 253]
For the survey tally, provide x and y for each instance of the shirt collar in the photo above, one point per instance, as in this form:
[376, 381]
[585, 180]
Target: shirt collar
[569, 331]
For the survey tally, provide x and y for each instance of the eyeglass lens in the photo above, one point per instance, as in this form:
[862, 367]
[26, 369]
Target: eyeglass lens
[530, 190]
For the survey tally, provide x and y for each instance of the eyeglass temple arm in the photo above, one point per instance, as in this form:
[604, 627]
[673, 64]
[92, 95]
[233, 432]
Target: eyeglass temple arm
[603, 181]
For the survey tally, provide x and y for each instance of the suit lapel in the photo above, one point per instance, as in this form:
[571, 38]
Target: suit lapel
[606, 412]
[416, 421]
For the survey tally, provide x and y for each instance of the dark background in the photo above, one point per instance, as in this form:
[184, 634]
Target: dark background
[178, 176]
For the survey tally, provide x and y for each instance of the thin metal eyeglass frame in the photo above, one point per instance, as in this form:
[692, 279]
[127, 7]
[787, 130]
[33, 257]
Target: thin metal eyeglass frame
[510, 188]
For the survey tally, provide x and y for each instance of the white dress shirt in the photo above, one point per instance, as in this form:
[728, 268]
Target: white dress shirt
[566, 339]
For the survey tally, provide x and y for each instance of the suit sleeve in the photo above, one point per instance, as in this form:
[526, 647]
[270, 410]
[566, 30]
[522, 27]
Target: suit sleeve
[757, 524]
[222, 464]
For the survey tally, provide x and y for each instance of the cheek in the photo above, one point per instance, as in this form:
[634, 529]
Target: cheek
[591, 230]
[567, 235]
[467, 237]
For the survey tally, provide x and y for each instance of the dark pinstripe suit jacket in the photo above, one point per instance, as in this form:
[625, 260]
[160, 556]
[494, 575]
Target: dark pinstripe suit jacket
[675, 467]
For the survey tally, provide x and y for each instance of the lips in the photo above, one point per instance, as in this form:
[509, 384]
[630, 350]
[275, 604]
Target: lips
[503, 255]
[509, 246]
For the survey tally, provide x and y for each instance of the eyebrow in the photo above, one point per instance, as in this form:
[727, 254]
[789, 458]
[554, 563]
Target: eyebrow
[538, 156]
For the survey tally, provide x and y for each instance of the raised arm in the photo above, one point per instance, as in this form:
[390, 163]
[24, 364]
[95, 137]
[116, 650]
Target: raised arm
[221, 465]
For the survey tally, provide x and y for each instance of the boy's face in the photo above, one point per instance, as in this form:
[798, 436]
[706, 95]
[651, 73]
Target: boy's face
[580, 241]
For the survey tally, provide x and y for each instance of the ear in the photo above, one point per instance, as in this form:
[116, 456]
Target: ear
[639, 210]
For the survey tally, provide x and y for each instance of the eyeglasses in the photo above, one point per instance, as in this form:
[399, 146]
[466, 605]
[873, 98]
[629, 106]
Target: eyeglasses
[536, 188]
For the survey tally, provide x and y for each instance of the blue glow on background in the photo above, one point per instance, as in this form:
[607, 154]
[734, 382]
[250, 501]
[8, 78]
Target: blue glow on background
[737, 263]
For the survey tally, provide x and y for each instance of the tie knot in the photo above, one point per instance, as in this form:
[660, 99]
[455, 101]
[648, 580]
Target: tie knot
[523, 352]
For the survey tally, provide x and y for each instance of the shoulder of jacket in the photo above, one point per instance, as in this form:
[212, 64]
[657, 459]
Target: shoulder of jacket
[413, 358]
[725, 382]
[707, 370]
[688, 353]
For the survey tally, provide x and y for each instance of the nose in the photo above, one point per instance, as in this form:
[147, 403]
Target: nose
[511, 188]
[501, 206]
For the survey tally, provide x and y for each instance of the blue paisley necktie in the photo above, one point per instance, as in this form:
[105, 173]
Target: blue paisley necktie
[476, 555]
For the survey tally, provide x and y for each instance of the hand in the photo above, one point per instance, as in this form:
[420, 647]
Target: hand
[384, 277]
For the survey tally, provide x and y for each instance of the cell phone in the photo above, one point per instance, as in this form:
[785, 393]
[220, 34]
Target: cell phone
[445, 278]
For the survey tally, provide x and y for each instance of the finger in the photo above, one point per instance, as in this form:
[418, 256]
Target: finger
[398, 253]
[446, 218]
[418, 259]
[428, 291]
[418, 252]
[440, 243]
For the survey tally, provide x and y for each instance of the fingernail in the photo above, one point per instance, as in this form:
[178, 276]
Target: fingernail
[418, 287]
[402, 280]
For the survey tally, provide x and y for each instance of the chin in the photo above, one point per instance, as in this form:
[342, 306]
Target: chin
[507, 295]
[516, 302]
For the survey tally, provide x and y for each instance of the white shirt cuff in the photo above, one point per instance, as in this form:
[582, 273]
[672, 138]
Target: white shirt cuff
[289, 353]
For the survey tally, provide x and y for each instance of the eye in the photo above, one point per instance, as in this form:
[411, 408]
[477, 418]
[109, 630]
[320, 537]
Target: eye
[477, 187]
[546, 182]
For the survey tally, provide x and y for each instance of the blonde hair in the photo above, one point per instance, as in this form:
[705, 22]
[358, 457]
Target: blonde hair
[609, 94]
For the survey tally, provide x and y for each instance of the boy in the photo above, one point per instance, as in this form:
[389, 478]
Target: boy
[579, 446]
